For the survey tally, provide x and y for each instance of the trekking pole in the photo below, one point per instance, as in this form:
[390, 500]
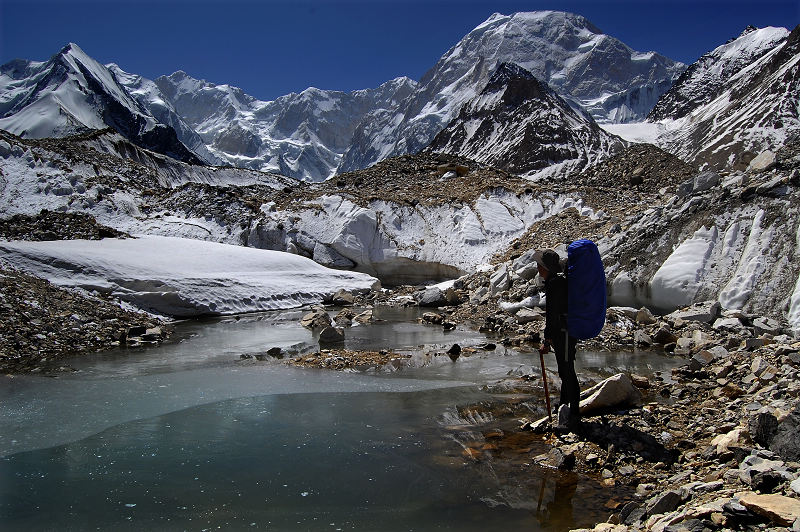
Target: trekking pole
[546, 391]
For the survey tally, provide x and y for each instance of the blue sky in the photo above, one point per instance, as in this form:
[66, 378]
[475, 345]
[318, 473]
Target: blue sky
[273, 47]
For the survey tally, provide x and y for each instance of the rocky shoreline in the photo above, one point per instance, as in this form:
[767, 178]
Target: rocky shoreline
[715, 445]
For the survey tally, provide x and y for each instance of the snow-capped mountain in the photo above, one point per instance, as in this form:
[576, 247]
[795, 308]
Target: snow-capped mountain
[706, 77]
[72, 93]
[590, 69]
[299, 135]
[735, 101]
[521, 125]
[149, 96]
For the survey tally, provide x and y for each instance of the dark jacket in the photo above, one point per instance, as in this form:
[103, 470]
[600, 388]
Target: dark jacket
[555, 291]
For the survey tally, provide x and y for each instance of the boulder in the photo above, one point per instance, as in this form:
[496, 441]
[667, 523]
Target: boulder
[642, 338]
[331, 335]
[527, 315]
[786, 440]
[562, 458]
[727, 324]
[628, 312]
[431, 297]
[763, 162]
[343, 298]
[645, 317]
[525, 266]
[663, 502]
[316, 319]
[795, 486]
[723, 442]
[364, 317]
[432, 317]
[764, 325]
[781, 510]
[344, 318]
[664, 336]
[755, 464]
[613, 393]
[705, 181]
[706, 312]
[500, 280]
[700, 360]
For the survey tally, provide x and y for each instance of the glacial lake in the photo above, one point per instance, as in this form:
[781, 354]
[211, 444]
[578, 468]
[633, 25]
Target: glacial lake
[188, 436]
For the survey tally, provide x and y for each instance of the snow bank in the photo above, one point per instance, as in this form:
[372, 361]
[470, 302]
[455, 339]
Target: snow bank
[182, 277]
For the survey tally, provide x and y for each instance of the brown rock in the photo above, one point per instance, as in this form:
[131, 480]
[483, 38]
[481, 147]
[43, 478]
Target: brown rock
[781, 510]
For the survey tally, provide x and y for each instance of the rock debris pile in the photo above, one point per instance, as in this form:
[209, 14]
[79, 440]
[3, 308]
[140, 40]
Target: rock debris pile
[50, 225]
[42, 325]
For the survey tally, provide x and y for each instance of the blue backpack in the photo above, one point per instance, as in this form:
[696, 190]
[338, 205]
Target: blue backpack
[586, 290]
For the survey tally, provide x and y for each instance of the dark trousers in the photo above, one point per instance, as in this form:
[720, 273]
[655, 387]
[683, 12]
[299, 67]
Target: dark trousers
[564, 349]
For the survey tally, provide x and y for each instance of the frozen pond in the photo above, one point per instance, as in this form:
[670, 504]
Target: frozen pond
[187, 436]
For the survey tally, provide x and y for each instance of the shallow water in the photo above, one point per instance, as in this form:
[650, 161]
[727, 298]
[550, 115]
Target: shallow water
[187, 436]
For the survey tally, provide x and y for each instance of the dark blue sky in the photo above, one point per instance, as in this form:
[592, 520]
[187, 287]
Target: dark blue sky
[273, 47]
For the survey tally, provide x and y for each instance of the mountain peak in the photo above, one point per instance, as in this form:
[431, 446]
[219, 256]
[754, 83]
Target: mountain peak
[506, 71]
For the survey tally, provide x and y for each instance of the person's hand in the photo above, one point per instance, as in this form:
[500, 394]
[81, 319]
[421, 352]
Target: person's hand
[545, 348]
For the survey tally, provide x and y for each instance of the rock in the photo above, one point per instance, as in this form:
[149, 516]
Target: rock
[705, 181]
[628, 312]
[613, 393]
[525, 266]
[642, 338]
[632, 513]
[766, 481]
[275, 352]
[645, 317]
[499, 281]
[753, 343]
[764, 325]
[454, 352]
[431, 297]
[364, 317]
[754, 464]
[316, 319]
[528, 315]
[701, 359]
[723, 442]
[343, 298]
[451, 297]
[562, 458]
[763, 427]
[432, 317]
[763, 162]
[795, 486]
[786, 440]
[783, 511]
[665, 336]
[331, 335]
[706, 312]
[687, 525]
[727, 324]
[663, 502]
[478, 295]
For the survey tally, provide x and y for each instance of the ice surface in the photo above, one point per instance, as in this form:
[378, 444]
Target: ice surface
[184, 277]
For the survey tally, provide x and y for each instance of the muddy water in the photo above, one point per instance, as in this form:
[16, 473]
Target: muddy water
[187, 436]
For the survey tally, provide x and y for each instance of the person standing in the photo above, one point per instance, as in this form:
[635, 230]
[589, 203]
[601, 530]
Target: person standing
[557, 337]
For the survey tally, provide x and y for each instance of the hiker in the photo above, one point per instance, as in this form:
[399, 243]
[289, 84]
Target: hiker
[556, 335]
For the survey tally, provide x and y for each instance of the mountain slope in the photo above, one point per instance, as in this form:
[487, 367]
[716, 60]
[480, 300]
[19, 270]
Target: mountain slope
[565, 51]
[520, 125]
[72, 93]
[735, 102]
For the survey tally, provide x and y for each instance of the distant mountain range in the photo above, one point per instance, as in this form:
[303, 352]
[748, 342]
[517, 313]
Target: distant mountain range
[546, 78]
